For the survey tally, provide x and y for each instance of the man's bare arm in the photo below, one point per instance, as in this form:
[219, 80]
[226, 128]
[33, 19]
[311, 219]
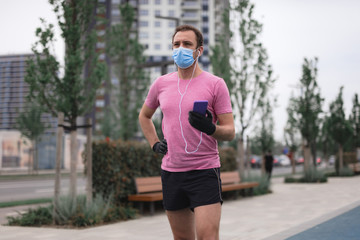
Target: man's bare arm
[147, 124]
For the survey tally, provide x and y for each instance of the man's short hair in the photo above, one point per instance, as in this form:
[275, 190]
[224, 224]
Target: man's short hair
[198, 34]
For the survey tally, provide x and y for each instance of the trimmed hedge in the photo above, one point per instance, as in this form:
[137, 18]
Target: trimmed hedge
[117, 163]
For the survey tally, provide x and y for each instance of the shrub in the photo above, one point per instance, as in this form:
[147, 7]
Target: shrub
[346, 172]
[32, 217]
[117, 163]
[228, 159]
[83, 214]
[264, 184]
[311, 175]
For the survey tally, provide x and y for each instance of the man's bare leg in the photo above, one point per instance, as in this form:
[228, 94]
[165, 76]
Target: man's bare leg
[182, 224]
[207, 221]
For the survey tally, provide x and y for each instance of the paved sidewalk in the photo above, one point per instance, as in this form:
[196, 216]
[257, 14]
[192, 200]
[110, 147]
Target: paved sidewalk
[290, 209]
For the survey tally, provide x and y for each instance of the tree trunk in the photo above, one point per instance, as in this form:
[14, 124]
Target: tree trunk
[241, 156]
[307, 157]
[73, 163]
[59, 151]
[35, 165]
[313, 151]
[263, 164]
[248, 153]
[89, 190]
[292, 159]
[341, 158]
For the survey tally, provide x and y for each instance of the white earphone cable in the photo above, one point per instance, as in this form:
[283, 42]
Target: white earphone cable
[182, 96]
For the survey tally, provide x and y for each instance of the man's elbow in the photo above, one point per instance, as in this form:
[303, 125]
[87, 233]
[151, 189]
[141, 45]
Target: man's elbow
[231, 134]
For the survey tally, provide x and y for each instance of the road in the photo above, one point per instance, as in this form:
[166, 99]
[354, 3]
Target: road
[15, 190]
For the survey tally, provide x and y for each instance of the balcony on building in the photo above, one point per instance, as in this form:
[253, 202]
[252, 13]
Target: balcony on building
[195, 5]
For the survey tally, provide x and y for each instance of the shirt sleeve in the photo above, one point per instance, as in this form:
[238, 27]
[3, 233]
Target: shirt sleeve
[152, 99]
[222, 103]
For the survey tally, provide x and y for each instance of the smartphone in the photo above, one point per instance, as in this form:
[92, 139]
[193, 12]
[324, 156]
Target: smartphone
[200, 106]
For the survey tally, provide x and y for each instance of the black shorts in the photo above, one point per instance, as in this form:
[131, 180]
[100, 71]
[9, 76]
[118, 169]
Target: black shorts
[191, 189]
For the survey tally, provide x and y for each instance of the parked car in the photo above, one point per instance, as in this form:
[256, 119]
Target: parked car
[284, 160]
[255, 161]
[300, 160]
[332, 160]
[276, 161]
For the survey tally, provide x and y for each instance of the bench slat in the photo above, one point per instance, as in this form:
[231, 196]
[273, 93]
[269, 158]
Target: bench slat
[229, 177]
[238, 186]
[148, 184]
[146, 197]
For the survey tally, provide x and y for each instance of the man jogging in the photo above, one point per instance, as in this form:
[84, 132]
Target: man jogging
[191, 165]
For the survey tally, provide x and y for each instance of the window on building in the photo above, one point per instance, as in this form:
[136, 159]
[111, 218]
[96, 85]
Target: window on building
[143, 35]
[157, 13]
[144, 12]
[115, 12]
[100, 45]
[190, 14]
[100, 103]
[157, 46]
[171, 24]
[157, 24]
[114, 80]
[157, 35]
[143, 23]
[157, 58]
[144, 2]
[102, 56]
[171, 2]
[158, 2]
[171, 13]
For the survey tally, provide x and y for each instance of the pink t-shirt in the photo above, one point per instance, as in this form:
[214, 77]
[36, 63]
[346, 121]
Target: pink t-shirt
[164, 93]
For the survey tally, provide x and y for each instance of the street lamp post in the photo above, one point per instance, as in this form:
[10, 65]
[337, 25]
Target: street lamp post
[177, 20]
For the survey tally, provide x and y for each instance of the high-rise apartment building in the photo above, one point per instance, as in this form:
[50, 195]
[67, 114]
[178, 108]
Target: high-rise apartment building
[13, 92]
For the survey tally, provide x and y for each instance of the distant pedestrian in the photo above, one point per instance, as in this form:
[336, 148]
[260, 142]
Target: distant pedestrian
[269, 162]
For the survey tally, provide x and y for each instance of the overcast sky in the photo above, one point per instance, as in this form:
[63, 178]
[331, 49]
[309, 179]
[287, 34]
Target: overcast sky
[292, 30]
[327, 29]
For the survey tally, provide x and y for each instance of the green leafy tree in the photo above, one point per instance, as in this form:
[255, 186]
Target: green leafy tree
[222, 52]
[291, 133]
[70, 92]
[307, 109]
[265, 134]
[127, 55]
[245, 69]
[355, 123]
[325, 142]
[30, 126]
[340, 128]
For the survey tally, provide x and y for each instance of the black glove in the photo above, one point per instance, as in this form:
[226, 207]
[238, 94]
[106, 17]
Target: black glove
[201, 122]
[160, 147]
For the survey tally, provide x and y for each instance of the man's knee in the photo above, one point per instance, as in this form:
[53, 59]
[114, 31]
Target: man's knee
[211, 233]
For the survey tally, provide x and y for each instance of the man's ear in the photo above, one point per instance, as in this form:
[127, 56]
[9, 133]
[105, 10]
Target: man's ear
[200, 51]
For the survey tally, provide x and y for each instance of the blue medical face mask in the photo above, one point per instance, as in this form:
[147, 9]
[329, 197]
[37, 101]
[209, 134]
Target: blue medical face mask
[183, 57]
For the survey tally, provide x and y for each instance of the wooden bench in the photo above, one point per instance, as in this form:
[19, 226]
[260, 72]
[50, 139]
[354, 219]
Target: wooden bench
[149, 189]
